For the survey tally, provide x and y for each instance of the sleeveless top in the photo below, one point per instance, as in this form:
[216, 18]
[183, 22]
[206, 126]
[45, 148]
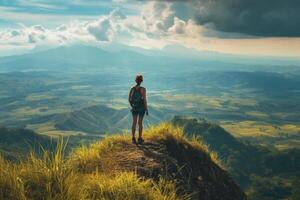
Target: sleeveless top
[137, 99]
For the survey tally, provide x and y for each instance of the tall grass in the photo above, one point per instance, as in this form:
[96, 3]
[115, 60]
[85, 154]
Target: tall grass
[126, 185]
[11, 186]
[51, 176]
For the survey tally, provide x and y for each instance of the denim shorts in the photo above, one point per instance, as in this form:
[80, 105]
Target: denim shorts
[140, 113]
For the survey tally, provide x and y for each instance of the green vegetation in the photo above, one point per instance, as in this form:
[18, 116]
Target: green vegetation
[282, 137]
[87, 100]
[259, 170]
[116, 169]
[248, 104]
[254, 128]
[264, 173]
[15, 143]
[101, 119]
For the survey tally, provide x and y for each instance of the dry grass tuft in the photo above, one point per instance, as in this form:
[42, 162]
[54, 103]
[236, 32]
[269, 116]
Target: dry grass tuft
[113, 168]
[51, 176]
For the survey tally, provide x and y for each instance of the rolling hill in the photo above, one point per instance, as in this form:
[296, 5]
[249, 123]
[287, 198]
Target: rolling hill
[167, 166]
[100, 119]
[249, 164]
[15, 143]
[252, 166]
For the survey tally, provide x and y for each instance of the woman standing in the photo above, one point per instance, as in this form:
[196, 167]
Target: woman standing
[138, 101]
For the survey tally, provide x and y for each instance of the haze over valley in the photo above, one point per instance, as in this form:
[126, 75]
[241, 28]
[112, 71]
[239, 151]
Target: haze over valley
[222, 83]
[64, 88]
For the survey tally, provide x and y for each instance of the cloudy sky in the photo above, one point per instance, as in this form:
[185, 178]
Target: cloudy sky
[248, 27]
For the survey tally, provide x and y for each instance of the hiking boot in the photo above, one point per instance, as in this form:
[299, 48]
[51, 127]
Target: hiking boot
[140, 141]
[133, 140]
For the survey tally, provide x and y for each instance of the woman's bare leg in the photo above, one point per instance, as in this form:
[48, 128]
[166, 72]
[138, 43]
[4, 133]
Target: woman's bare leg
[140, 126]
[134, 120]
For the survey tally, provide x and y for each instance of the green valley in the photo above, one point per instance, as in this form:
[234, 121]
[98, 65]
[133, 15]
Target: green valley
[248, 114]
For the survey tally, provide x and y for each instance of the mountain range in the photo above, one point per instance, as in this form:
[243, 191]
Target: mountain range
[82, 58]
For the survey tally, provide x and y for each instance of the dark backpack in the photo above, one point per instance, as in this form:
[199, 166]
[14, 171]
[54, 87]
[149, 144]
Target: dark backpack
[136, 98]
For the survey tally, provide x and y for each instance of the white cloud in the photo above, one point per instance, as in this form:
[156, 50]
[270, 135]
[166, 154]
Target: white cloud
[117, 14]
[178, 27]
[101, 29]
[160, 21]
[158, 24]
[157, 17]
[105, 28]
[155, 27]
[62, 27]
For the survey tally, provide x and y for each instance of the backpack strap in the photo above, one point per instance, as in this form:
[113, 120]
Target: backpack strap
[140, 91]
[132, 90]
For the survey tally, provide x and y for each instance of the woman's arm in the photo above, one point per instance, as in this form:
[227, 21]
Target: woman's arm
[145, 98]
[129, 96]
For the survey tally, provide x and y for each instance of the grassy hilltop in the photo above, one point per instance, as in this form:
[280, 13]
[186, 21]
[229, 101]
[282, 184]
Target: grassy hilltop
[167, 166]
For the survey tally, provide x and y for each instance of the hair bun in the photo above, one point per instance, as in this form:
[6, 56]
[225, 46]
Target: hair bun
[139, 78]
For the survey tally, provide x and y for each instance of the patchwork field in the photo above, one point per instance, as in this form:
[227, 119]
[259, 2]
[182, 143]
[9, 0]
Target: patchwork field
[242, 102]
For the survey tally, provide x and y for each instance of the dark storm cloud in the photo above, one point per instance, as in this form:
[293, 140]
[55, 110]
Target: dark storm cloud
[264, 18]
